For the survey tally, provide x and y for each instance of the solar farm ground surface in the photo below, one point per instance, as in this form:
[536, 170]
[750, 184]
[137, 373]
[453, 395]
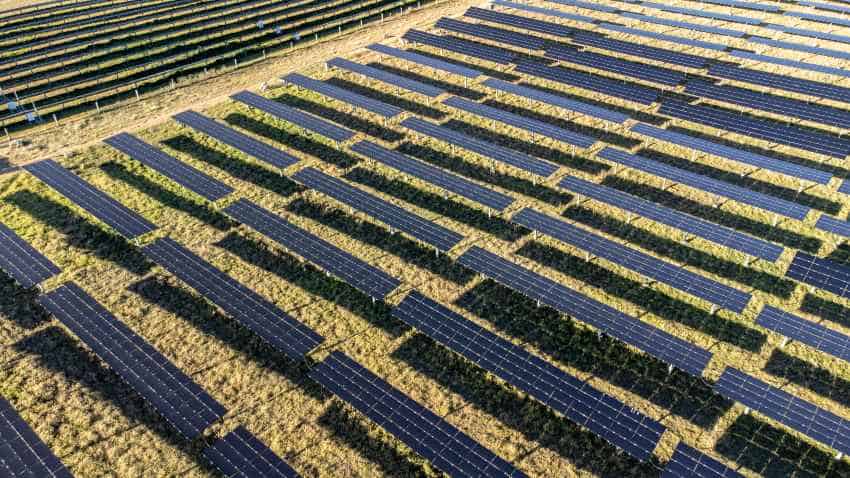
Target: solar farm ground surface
[97, 426]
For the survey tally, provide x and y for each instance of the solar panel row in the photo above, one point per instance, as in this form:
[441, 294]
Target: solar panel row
[97, 203]
[821, 273]
[685, 222]
[642, 71]
[824, 6]
[488, 150]
[804, 32]
[781, 82]
[517, 21]
[428, 61]
[707, 184]
[434, 175]
[236, 140]
[239, 454]
[521, 122]
[688, 462]
[826, 19]
[183, 403]
[22, 453]
[586, 5]
[447, 448]
[802, 65]
[368, 279]
[604, 415]
[745, 5]
[178, 171]
[22, 262]
[588, 81]
[834, 225]
[768, 130]
[657, 343]
[294, 116]
[459, 45]
[793, 412]
[387, 77]
[797, 328]
[341, 94]
[663, 37]
[733, 154]
[556, 100]
[702, 13]
[635, 49]
[664, 272]
[507, 37]
[842, 55]
[394, 216]
[684, 25]
[544, 11]
[251, 310]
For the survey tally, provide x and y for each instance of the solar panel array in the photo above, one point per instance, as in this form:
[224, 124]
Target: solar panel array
[662, 36]
[522, 122]
[464, 47]
[662, 345]
[359, 274]
[447, 448]
[688, 462]
[685, 222]
[178, 171]
[821, 273]
[394, 216]
[485, 32]
[237, 140]
[685, 25]
[22, 262]
[816, 50]
[795, 413]
[797, 328]
[22, 453]
[714, 186]
[602, 414]
[187, 407]
[488, 150]
[746, 55]
[782, 82]
[702, 13]
[671, 274]
[642, 71]
[428, 61]
[434, 175]
[294, 116]
[588, 81]
[97, 203]
[387, 77]
[251, 310]
[518, 21]
[239, 454]
[341, 94]
[635, 49]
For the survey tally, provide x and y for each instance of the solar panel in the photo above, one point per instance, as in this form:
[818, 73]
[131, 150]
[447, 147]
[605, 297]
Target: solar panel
[434, 175]
[790, 63]
[556, 100]
[94, 201]
[458, 45]
[810, 33]
[816, 50]
[447, 448]
[294, 116]
[688, 462]
[236, 140]
[589, 81]
[341, 94]
[508, 37]
[488, 150]
[829, 20]
[685, 222]
[184, 404]
[22, 262]
[394, 216]
[844, 187]
[685, 25]
[664, 272]
[814, 335]
[387, 77]
[516, 21]
[635, 49]
[834, 225]
[544, 11]
[528, 124]
[734, 154]
[23, 453]
[364, 277]
[773, 131]
[586, 5]
[608, 320]
[190, 178]
[642, 71]
[772, 103]
[239, 454]
[428, 61]
[821, 273]
[787, 83]
[663, 37]
[694, 12]
[707, 184]
[744, 5]
[793, 412]
[824, 6]
[250, 309]
[602, 414]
